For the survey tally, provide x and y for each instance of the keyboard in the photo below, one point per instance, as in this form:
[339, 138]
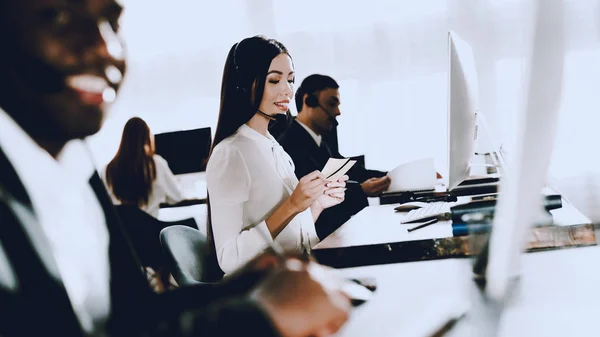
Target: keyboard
[480, 181]
[431, 211]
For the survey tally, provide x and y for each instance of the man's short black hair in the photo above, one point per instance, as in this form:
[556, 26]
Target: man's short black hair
[313, 84]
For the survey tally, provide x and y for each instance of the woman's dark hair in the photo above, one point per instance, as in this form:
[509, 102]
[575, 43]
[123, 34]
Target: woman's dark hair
[131, 173]
[242, 88]
[243, 82]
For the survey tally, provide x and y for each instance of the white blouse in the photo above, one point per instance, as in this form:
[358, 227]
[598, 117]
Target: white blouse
[248, 177]
[165, 188]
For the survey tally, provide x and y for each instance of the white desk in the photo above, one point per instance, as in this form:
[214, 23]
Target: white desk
[194, 187]
[198, 212]
[557, 294]
[558, 297]
[381, 224]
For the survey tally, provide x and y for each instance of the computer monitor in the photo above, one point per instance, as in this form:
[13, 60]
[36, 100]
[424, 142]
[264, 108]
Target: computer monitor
[520, 200]
[186, 151]
[463, 105]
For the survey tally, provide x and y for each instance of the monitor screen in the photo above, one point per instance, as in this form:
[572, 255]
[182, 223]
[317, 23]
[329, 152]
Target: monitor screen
[463, 104]
[185, 151]
[520, 202]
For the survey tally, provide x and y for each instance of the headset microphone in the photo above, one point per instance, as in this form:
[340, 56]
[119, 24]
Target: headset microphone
[332, 118]
[269, 117]
[275, 120]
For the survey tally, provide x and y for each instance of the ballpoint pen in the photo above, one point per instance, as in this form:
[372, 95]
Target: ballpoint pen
[447, 326]
[425, 224]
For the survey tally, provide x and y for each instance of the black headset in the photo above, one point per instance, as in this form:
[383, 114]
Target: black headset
[241, 88]
[238, 86]
[313, 102]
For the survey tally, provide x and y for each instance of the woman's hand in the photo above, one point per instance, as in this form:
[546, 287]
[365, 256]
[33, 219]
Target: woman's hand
[310, 187]
[334, 193]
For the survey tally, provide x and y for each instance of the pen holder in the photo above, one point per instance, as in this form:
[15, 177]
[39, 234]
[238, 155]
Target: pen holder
[488, 207]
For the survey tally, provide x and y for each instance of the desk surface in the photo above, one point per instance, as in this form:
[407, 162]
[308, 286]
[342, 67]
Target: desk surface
[194, 187]
[557, 296]
[381, 224]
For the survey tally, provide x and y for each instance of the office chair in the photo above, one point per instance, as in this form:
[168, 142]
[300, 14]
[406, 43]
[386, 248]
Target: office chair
[185, 250]
[144, 231]
[191, 263]
[331, 138]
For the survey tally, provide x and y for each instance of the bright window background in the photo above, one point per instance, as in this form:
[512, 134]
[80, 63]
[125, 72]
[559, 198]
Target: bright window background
[390, 58]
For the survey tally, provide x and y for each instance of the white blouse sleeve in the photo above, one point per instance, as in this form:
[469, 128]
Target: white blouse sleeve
[166, 178]
[228, 182]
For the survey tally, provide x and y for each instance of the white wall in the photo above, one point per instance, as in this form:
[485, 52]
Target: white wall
[389, 56]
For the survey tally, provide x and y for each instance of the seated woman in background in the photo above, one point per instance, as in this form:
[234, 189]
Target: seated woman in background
[254, 195]
[136, 176]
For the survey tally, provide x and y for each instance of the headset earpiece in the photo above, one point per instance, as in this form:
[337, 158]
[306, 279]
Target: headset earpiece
[311, 100]
[239, 87]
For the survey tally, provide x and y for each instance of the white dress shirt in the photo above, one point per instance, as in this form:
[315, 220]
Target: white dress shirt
[72, 238]
[317, 138]
[248, 177]
[165, 188]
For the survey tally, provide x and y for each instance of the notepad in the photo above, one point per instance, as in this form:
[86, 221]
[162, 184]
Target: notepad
[336, 168]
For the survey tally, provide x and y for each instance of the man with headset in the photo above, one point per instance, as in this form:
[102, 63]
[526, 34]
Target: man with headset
[310, 140]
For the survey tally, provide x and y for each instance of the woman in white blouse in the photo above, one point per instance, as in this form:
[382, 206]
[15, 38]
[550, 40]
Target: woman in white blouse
[255, 197]
[136, 175]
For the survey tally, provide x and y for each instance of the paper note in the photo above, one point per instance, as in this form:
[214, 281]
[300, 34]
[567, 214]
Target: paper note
[336, 168]
[417, 175]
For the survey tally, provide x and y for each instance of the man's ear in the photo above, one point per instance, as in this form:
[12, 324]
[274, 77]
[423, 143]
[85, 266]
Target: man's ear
[304, 105]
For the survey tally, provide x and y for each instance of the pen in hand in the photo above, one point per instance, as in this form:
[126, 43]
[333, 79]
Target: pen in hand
[425, 224]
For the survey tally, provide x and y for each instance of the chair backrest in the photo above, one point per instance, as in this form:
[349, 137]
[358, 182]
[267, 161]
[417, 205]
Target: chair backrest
[143, 230]
[331, 138]
[185, 249]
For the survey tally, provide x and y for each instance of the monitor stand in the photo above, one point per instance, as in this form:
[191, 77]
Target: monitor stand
[479, 165]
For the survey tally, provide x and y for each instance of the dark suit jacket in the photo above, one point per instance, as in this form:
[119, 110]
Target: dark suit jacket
[308, 157]
[41, 307]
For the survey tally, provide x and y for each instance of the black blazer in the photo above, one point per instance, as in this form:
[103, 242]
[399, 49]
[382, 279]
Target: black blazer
[308, 157]
[40, 306]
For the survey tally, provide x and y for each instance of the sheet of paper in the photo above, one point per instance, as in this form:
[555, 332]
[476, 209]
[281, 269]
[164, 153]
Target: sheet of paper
[417, 175]
[336, 168]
